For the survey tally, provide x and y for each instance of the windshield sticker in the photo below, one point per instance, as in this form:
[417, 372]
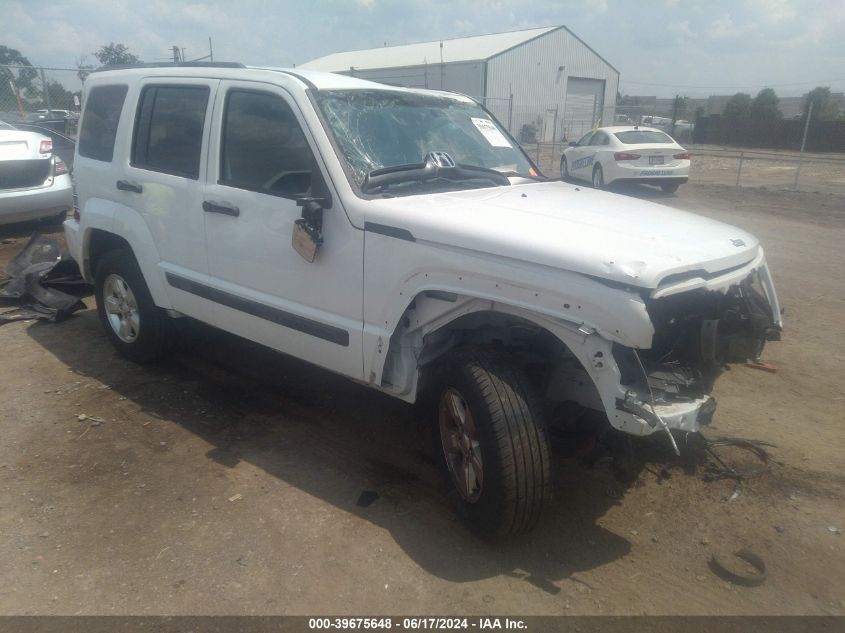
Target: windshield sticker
[490, 132]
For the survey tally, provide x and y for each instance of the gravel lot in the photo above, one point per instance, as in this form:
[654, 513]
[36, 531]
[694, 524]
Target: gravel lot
[225, 481]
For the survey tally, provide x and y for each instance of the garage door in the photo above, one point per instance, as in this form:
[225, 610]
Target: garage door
[584, 104]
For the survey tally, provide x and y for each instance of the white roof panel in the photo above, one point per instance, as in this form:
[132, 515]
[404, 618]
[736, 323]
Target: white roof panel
[464, 49]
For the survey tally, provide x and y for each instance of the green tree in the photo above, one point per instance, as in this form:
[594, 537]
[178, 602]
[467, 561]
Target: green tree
[60, 97]
[680, 107]
[14, 82]
[115, 55]
[765, 106]
[738, 106]
[824, 107]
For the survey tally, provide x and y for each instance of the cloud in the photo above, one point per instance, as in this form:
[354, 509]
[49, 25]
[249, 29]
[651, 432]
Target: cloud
[712, 42]
[683, 29]
[724, 27]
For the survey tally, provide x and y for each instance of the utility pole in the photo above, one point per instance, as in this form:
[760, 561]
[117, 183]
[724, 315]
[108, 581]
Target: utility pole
[210, 50]
[176, 54]
[674, 113]
[441, 65]
[803, 143]
[50, 105]
[807, 125]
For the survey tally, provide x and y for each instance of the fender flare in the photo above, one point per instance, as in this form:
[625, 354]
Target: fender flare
[126, 223]
[593, 351]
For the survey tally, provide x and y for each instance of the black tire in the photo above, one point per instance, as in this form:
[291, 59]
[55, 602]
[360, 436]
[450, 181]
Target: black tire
[564, 169]
[152, 336]
[598, 177]
[512, 440]
[58, 218]
[670, 188]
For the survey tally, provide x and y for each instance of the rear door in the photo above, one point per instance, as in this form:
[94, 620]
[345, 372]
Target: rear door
[262, 160]
[165, 178]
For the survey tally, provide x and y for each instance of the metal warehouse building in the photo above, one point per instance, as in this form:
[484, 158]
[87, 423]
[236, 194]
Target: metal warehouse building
[543, 83]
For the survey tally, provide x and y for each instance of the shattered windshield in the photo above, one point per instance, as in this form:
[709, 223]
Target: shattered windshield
[386, 128]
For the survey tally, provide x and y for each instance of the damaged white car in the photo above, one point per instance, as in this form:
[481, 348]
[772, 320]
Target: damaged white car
[402, 238]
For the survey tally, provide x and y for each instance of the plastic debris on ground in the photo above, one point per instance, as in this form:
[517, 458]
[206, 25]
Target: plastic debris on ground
[35, 276]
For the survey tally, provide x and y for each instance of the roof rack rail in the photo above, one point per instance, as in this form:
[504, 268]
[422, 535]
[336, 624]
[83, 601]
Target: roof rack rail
[171, 65]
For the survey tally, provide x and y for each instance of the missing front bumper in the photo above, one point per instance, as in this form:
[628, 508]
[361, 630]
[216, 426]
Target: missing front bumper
[682, 416]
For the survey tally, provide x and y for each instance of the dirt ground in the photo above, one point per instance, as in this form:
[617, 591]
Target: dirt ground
[226, 480]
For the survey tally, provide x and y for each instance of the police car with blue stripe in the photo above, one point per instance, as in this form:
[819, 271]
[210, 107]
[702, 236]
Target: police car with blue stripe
[627, 154]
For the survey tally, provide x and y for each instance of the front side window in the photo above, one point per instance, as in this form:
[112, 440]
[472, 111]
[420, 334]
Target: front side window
[378, 129]
[168, 129]
[263, 147]
[99, 125]
[585, 140]
[599, 138]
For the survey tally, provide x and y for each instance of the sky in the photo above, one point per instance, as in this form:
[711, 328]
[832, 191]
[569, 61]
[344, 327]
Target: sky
[660, 47]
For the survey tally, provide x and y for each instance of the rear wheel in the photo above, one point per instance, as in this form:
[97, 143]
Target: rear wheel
[493, 440]
[55, 219]
[598, 177]
[126, 309]
[670, 187]
[564, 168]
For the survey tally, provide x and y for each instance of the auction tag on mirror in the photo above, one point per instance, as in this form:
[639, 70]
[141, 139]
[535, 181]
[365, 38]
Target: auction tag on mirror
[489, 130]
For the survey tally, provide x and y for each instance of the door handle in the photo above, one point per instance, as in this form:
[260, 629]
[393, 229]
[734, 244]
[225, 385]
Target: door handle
[125, 185]
[210, 206]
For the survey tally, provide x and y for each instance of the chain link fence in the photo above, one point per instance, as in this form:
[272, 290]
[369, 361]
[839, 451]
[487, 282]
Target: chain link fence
[548, 123]
[735, 167]
[47, 97]
[50, 97]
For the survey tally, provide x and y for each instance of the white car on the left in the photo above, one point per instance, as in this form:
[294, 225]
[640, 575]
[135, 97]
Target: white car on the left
[34, 182]
[627, 153]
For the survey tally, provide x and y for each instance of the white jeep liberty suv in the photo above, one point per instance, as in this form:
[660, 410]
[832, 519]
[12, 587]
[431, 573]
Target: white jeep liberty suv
[402, 238]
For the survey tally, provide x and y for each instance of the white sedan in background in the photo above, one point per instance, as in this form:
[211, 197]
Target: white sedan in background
[627, 154]
[34, 182]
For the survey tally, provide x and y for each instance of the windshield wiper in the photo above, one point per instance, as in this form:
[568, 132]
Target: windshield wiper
[428, 171]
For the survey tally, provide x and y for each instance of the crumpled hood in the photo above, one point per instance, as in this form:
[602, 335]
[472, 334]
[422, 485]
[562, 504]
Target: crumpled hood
[571, 227]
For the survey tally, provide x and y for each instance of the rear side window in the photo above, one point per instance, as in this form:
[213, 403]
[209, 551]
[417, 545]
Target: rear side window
[168, 129]
[264, 148]
[99, 125]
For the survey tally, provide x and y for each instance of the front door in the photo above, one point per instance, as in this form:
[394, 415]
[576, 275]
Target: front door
[261, 161]
[580, 163]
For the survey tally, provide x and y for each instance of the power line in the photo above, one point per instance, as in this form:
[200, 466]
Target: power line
[795, 83]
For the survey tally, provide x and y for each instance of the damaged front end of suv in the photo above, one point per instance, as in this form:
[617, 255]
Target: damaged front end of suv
[702, 324]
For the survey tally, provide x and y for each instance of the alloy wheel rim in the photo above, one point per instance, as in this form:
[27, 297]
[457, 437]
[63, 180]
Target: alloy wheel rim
[121, 308]
[564, 169]
[461, 445]
[598, 179]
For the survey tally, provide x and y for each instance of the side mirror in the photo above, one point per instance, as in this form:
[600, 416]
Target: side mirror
[573, 143]
[307, 235]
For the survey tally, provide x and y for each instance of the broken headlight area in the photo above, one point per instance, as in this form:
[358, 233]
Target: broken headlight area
[696, 335]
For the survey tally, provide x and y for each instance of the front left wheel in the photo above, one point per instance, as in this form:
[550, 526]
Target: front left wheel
[494, 442]
[598, 177]
[564, 169]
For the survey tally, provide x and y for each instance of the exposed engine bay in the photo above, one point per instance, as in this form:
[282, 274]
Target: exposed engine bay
[696, 335]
